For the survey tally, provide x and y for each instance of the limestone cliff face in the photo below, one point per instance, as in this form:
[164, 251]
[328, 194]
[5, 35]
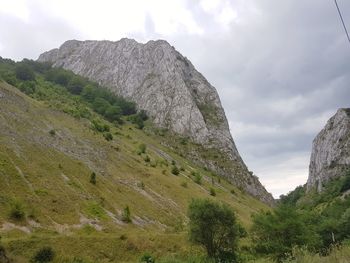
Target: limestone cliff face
[165, 84]
[330, 154]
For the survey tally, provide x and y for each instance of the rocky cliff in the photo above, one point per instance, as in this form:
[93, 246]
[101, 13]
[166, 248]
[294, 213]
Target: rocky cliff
[330, 154]
[167, 86]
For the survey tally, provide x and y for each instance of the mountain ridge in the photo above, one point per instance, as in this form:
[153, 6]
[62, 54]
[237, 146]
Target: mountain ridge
[330, 156]
[167, 86]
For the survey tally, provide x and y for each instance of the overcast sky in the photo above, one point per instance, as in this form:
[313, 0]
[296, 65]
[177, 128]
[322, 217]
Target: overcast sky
[282, 68]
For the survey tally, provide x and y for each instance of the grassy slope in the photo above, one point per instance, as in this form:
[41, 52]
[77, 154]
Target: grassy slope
[49, 176]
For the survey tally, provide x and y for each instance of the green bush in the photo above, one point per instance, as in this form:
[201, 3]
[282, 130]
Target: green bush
[27, 87]
[184, 184]
[197, 178]
[147, 159]
[3, 256]
[45, 254]
[213, 226]
[212, 191]
[93, 178]
[108, 136]
[99, 126]
[126, 215]
[24, 72]
[141, 185]
[175, 170]
[142, 148]
[276, 233]
[147, 258]
[76, 85]
[17, 211]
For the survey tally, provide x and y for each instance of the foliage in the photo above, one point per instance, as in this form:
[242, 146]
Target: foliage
[126, 215]
[292, 197]
[45, 254]
[147, 159]
[175, 170]
[99, 126]
[17, 211]
[276, 233]
[212, 191]
[24, 72]
[197, 178]
[142, 148]
[213, 226]
[108, 136]
[93, 178]
[147, 258]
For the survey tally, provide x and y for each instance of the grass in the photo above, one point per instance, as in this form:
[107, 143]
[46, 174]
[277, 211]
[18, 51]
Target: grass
[50, 175]
[337, 255]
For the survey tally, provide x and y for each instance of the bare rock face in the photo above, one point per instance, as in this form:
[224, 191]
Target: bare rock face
[163, 83]
[330, 155]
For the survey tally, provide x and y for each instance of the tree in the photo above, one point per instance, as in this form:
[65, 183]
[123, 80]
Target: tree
[213, 226]
[76, 85]
[24, 72]
[100, 105]
[276, 233]
[113, 113]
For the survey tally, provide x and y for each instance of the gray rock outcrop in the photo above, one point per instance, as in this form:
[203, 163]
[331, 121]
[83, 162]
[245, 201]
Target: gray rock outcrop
[330, 155]
[163, 83]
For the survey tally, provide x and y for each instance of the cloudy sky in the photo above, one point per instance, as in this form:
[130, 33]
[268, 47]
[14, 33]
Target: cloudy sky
[282, 68]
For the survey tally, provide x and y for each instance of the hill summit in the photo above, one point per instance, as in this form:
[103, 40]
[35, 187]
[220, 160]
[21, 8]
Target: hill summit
[174, 94]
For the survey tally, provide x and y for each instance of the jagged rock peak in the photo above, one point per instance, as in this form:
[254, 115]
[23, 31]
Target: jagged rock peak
[163, 83]
[330, 155]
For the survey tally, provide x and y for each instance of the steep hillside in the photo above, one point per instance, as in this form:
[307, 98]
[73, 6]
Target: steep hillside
[49, 154]
[174, 94]
[330, 155]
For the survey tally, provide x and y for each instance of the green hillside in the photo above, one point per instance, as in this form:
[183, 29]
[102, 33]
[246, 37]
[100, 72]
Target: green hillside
[71, 168]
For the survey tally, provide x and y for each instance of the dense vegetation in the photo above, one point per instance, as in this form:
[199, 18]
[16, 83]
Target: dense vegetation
[315, 221]
[43, 82]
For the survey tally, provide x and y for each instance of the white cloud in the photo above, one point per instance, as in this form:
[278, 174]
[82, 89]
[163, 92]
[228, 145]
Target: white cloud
[17, 8]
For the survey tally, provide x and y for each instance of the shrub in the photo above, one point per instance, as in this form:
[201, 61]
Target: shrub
[147, 159]
[52, 132]
[184, 184]
[3, 256]
[346, 183]
[126, 215]
[212, 191]
[99, 126]
[147, 258]
[197, 178]
[108, 136]
[142, 148]
[45, 254]
[141, 185]
[76, 85]
[93, 178]
[175, 170]
[17, 211]
[24, 72]
[213, 226]
[276, 233]
[27, 87]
